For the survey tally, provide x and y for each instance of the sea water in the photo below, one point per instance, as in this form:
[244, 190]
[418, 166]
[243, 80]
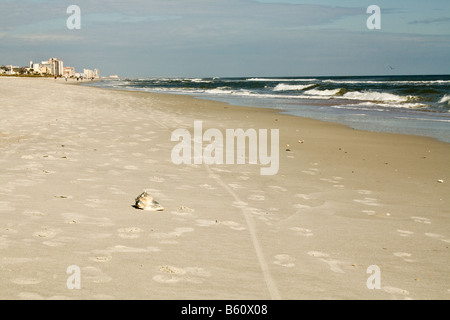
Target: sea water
[418, 105]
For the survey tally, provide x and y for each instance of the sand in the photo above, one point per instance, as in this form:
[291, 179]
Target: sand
[74, 158]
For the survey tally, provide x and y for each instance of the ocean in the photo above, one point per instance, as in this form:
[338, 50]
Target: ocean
[418, 105]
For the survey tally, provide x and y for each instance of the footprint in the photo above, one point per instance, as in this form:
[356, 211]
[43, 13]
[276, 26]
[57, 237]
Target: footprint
[437, 236]
[393, 290]
[29, 296]
[256, 197]
[46, 233]
[94, 275]
[157, 179]
[421, 220]
[174, 234]
[284, 260]
[368, 201]
[404, 256]
[101, 259]
[301, 206]
[26, 280]
[278, 188]
[303, 196]
[332, 263]
[131, 168]
[208, 187]
[172, 275]
[239, 204]
[302, 231]
[231, 224]
[405, 233]
[183, 211]
[130, 232]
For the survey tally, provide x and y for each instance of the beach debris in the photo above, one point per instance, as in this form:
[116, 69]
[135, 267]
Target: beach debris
[146, 202]
[440, 181]
[301, 141]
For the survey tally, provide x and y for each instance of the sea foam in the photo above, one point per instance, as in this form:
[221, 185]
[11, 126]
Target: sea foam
[291, 87]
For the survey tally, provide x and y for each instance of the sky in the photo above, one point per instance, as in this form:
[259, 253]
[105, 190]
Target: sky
[230, 38]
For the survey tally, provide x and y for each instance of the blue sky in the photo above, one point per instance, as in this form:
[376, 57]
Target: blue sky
[207, 38]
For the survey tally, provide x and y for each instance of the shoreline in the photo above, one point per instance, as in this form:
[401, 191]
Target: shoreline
[75, 158]
[354, 121]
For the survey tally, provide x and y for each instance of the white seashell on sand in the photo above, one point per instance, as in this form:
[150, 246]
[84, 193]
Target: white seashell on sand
[146, 202]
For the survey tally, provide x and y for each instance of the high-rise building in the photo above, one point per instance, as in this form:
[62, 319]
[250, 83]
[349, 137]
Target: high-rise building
[58, 66]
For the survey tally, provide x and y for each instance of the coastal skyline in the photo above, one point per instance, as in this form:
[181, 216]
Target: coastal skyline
[232, 38]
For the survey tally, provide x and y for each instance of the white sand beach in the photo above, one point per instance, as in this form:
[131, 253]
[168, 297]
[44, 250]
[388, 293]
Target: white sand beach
[74, 158]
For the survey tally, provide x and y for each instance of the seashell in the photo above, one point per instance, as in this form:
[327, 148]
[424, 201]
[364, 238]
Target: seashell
[146, 202]
[440, 181]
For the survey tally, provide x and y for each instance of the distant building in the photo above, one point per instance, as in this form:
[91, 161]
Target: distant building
[10, 69]
[58, 66]
[69, 71]
[89, 74]
[52, 66]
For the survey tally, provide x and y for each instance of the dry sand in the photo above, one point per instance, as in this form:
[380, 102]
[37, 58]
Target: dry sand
[74, 158]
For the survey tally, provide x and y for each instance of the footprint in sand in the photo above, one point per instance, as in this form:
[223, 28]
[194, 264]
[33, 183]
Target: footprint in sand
[183, 211]
[395, 291]
[332, 263]
[438, 237]
[231, 224]
[257, 197]
[421, 220]
[239, 204]
[101, 259]
[94, 275]
[178, 232]
[46, 233]
[172, 275]
[208, 187]
[302, 231]
[405, 233]
[157, 179]
[284, 260]
[130, 232]
[404, 256]
[26, 281]
[368, 201]
[131, 168]
[301, 206]
[278, 188]
[303, 196]
[30, 296]
[77, 218]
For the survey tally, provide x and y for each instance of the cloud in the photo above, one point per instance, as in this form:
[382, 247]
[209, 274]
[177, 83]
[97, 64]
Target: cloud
[428, 21]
